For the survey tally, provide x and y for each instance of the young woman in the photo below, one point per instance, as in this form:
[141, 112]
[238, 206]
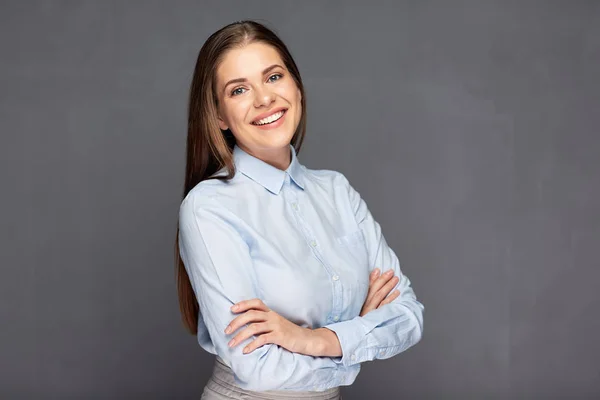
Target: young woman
[277, 264]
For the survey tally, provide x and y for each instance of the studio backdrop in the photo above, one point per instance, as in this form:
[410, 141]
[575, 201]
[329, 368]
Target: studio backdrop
[470, 128]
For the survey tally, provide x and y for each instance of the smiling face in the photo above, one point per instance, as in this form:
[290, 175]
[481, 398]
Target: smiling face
[259, 101]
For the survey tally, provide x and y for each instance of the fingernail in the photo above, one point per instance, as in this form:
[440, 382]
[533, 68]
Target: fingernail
[245, 351]
[231, 342]
[390, 272]
[228, 330]
[235, 307]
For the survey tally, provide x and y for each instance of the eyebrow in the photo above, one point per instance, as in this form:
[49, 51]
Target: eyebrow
[240, 80]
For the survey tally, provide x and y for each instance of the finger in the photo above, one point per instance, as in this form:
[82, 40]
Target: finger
[382, 279]
[245, 318]
[375, 286]
[386, 289]
[374, 275]
[249, 304]
[386, 276]
[251, 330]
[390, 298]
[373, 289]
[258, 342]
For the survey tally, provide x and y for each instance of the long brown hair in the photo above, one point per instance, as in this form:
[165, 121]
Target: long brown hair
[209, 148]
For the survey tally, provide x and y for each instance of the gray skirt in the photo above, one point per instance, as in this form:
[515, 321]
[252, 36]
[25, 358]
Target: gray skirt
[222, 386]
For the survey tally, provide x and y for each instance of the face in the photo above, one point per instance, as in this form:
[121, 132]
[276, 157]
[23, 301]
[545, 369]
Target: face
[258, 100]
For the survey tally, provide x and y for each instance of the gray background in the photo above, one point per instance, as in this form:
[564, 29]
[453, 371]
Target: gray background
[470, 128]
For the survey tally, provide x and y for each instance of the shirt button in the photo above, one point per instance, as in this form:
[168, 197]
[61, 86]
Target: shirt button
[336, 318]
[295, 205]
[381, 353]
[353, 357]
[335, 277]
[313, 243]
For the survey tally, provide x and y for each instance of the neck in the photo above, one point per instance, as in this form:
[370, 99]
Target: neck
[278, 158]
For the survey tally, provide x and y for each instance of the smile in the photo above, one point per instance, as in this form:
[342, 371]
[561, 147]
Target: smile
[270, 119]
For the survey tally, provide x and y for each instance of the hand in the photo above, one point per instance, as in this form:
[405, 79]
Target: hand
[272, 327]
[379, 288]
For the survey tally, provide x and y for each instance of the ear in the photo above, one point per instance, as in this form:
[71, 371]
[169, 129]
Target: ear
[222, 123]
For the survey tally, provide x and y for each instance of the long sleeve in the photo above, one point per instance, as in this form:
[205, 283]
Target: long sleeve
[220, 267]
[392, 328]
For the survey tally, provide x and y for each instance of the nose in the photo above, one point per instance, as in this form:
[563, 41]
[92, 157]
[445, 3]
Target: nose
[264, 97]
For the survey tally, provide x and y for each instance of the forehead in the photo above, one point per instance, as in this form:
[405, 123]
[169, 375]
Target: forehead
[247, 61]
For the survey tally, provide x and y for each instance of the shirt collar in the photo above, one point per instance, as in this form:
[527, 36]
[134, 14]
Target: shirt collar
[270, 177]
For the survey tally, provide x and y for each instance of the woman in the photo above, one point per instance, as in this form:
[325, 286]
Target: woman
[296, 250]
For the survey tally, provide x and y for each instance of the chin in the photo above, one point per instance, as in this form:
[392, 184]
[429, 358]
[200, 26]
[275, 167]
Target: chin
[278, 143]
[276, 139]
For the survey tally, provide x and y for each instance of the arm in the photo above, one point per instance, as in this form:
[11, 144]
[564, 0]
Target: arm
[218, 262]
[390, 329]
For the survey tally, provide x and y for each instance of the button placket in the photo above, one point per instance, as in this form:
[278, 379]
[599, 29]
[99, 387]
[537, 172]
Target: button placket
[291, 197]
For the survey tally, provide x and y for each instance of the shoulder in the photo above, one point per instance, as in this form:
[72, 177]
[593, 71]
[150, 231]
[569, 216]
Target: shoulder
[208, 195]
[327, 177]
[337, 185]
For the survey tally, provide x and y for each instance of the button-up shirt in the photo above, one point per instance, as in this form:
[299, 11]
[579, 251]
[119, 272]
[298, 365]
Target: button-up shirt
[304, 242]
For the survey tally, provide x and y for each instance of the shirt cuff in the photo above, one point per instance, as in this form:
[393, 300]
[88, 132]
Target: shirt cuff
[351, 334]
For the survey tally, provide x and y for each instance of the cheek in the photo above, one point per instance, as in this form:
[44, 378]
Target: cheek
[237, 113]
[299, 103]
[290, 92]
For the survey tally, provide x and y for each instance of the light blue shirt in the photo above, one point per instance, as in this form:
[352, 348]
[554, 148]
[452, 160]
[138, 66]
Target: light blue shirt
[304, 242]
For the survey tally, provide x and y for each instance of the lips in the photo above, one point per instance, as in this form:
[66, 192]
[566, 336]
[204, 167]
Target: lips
[267, 114]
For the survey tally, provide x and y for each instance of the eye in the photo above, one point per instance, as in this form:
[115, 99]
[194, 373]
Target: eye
[279, 76]
[236, 91]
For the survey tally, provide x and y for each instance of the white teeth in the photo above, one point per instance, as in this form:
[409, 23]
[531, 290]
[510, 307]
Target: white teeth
[270, 119]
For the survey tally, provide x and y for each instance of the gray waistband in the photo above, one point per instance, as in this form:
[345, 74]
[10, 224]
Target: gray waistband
[222, 381]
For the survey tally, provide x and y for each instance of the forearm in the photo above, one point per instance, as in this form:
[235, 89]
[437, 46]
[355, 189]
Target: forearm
[380, 334]
[326, 343]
